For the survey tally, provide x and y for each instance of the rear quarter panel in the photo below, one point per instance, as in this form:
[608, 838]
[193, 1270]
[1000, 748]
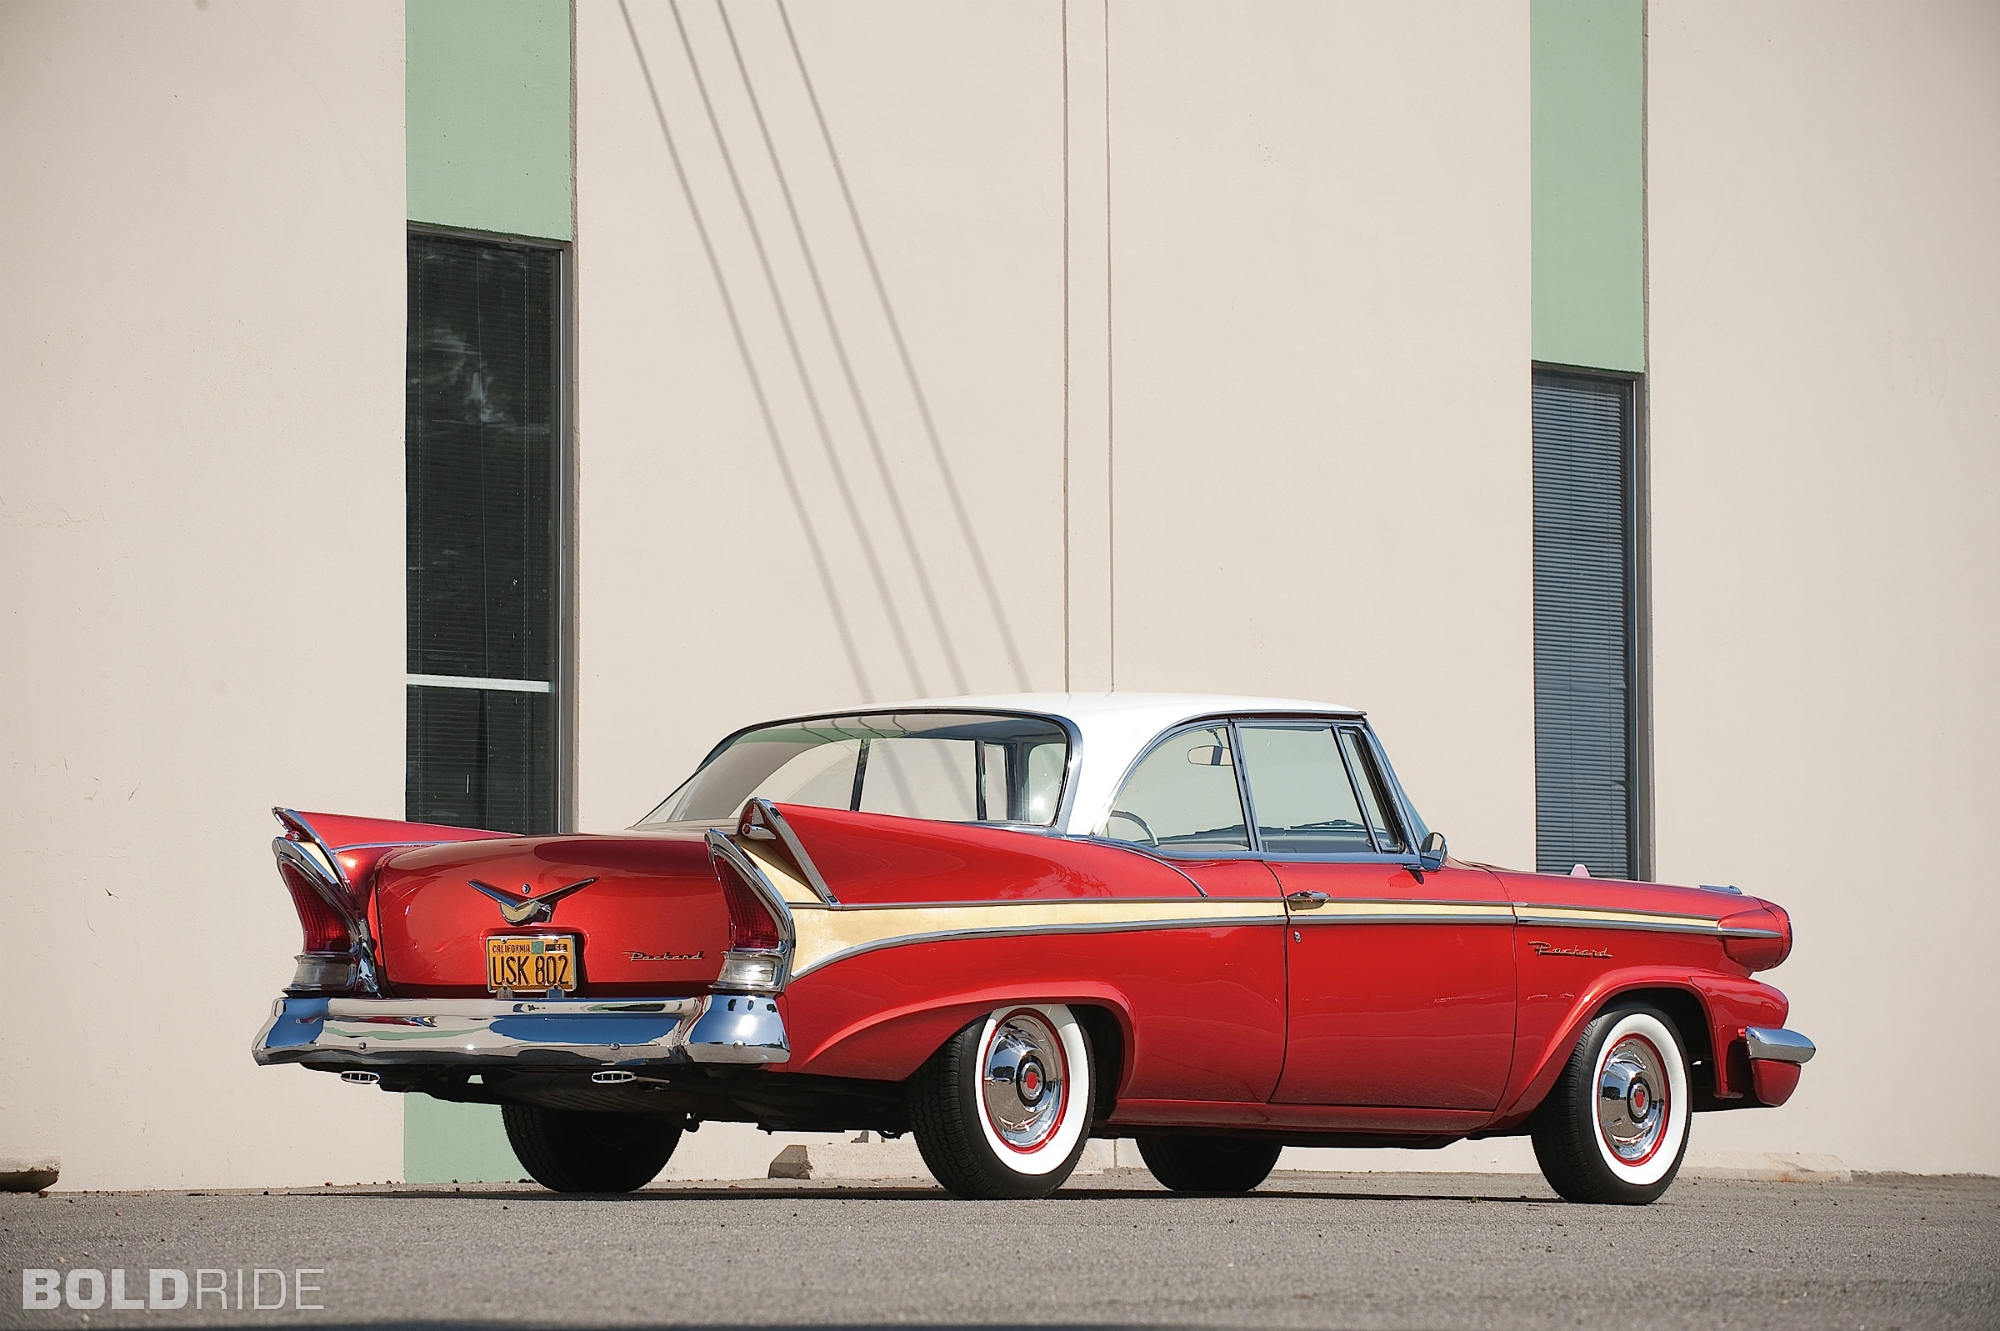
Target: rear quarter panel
[915, 950]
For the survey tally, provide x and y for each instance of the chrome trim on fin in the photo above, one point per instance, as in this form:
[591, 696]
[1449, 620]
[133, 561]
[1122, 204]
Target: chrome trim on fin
[294, 821]
[334, 891]
[762, 819]
[721, 847]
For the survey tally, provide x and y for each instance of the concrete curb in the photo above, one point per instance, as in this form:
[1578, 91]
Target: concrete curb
[1767, 1167]
[29, 1173]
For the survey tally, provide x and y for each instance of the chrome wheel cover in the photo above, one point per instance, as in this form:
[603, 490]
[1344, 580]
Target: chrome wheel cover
[1634, 1099]
[1023, 1080]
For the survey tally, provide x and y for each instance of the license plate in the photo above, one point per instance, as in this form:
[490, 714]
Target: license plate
[531, 964]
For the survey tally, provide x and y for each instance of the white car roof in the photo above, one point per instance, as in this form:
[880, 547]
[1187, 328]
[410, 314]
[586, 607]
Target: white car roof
[1114, 728]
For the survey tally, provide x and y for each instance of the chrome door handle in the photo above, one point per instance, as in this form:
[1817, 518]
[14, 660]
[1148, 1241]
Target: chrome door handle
[1305, 900]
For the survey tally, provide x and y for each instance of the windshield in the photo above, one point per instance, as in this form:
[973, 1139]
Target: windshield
[961, 767]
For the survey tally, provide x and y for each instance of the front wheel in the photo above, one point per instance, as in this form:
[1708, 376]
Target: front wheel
[1209, 1164]
[569, 1150]
[1615, 1126]
[1003, 1109]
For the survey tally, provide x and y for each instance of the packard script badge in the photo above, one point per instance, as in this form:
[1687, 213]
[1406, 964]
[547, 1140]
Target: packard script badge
[1551, 950]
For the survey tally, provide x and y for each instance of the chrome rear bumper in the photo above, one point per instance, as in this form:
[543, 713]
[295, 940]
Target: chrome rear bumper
[579, 1033]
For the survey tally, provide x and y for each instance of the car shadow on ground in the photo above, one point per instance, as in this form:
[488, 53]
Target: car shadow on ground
[412, 1325]
[887, 1192]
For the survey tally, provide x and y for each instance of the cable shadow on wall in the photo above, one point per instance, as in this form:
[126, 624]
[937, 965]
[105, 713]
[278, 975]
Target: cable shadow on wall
[838, 337]
[806, 526]
[945, 471]
[756, 233]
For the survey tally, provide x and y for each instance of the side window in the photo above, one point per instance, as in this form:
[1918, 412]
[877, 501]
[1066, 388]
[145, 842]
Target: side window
[1374, 790]
[1041, 786]
[1183, 796]
[822, 775]
[921, 778]
[1299, 786]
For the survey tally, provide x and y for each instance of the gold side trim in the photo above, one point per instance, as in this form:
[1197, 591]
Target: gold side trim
[834, 933]
[1654, 921]
[1022, 903]
[829, 932]
[790, 886]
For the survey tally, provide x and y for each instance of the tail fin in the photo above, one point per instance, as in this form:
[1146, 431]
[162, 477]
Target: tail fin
[327, 862]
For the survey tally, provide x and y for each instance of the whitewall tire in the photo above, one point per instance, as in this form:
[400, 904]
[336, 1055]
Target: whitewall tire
[1003, 1109]
[1615, 1126]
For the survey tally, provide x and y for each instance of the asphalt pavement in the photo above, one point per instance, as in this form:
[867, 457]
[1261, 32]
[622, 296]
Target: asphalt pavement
[1305, 1250]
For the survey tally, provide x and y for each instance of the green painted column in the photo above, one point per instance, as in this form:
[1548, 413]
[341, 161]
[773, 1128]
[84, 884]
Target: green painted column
[445, 1142]
[486, 107]
[487, 115]
[1588, 95]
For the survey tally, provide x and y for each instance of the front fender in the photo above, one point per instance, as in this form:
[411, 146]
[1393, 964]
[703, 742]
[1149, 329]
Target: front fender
[1733, 1003]
[1727, 1004]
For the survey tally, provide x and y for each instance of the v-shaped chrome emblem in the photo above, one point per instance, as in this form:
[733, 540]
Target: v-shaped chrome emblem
[525, 907]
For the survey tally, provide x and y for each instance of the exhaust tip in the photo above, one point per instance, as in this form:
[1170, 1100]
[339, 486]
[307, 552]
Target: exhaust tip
[614, 1077]
[361, 1078]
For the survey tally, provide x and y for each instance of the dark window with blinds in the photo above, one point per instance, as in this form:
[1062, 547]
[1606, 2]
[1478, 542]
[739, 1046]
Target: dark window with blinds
[481, 453]
[1586, 625]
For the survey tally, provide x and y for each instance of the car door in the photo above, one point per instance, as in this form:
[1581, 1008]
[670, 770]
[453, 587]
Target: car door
[1399, 982]
[1216, 1022]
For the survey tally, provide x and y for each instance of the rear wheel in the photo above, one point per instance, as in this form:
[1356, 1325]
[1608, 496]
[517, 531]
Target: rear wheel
[1003, 1109]
[1615, 1126]
[568, 1150]
[1209, 1164]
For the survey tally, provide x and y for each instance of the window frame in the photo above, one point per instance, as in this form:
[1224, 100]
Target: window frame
[1396, 803]
[1153, 746]
[1637, 497]
[1385, 788]
[1391, 803]
[1065, 800]
[563, 499]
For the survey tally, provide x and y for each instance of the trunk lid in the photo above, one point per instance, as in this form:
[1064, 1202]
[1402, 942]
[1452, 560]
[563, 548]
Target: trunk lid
[646, 910]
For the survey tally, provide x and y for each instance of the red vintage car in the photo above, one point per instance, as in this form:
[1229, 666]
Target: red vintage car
[1217, 925]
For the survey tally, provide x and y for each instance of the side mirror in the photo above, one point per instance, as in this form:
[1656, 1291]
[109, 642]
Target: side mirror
[1431, 854]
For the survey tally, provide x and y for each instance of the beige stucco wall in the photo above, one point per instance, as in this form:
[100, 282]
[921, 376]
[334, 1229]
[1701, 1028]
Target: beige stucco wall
[201, 532]
[1826, 405]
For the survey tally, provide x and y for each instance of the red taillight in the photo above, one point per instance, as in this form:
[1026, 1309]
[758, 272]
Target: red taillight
[325, 930]
[750, 921]
[1758, 953]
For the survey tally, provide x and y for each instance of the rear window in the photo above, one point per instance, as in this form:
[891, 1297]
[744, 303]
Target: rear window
[962, 767]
